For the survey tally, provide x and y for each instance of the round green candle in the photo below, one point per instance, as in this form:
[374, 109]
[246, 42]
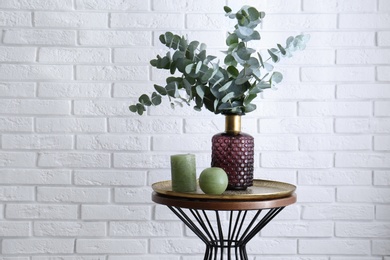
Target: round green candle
[183, 172]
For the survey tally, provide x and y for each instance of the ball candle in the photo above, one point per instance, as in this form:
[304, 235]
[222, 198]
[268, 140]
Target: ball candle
[183, 172]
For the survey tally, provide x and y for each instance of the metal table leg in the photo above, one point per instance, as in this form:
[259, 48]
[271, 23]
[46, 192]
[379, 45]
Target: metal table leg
[225, 242]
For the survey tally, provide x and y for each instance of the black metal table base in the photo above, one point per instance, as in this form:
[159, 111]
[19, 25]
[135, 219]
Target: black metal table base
[226, 236]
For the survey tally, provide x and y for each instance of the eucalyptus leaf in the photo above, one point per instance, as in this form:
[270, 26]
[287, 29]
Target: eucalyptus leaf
[219, 89]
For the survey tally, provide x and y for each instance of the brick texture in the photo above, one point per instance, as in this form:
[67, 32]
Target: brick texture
[76, 166]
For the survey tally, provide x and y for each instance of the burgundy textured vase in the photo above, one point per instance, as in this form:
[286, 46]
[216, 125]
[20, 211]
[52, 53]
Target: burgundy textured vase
[233, 151]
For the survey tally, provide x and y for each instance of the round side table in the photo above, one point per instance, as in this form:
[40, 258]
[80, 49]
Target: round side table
[226, 224]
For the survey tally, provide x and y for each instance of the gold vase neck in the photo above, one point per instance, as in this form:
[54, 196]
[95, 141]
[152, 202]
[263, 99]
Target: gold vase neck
[233, 124]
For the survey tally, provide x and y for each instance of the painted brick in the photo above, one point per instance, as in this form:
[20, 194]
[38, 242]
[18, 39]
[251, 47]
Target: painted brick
[384, 5]
[365, 21]
[70, 125]
[384, 38]
[16, 124]
[381, 247]
[35, 176]
[35, 72]
[276, 143]
[145, 125]
[362, 229]
[272, 246]
[110, 73]
[306, 22]
[374, 160]
[382, 108]
[118, 5]
[381, 178]
[70, 19]
[158, 20]
[69, 229]
[14, 19]
[383, 212]
[109, 178]
[334, 108]
[145, 257]
[17, 159]
[17, 54]
[132, 195]
[332, 143]
[276, 109]
[74, 55]
[362, 125]
[382, 143]
[37, 246]
[145, 229]
[112, 142]
[296, 160]
[136, 56]
[41, 211]
[296, 125]
[188, 6]
[176, 246]
[334, 246]
[338, 212]
[207, 21]
[323, 194]
[113, 246]
[299, 229]
[338, 74]
[24, 141]
[73, 159]
[343, 39]
[76, 195]
[277, 6]
[35, 106]
[98, 107]
[64, 257]
[334, 6]
[115, 212]
[17, 193]
[182, 143]
[45, 37]
[301, 91]
[16, 89]
[334, 177]
[74, 90]
[14, 229]
[37, 4]
[363, 194]
[360, 91]
[115, 38]
[140, 160]
[363, 56]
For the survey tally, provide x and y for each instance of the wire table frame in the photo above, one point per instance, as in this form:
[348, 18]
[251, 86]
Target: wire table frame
[224, 226]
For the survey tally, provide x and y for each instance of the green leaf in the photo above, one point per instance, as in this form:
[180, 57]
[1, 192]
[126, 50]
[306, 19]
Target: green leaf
[248, 99]
[230, 61]
[145, 100]
[156, 99]
[225, 86]
[253, 14]
[250, 108]
[227, 97]
[198, 67]
[227, 9]
[231, 39]
[232, 71]
[282, 50]
[200, 91]
[189, 68]
[160, 90]
[133, 108]
[276, 77]
[140, 109]
[274, 57]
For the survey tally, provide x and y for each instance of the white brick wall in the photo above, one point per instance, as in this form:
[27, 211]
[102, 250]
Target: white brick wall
[76, 166]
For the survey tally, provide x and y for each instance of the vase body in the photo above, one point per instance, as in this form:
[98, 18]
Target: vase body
[233, 151]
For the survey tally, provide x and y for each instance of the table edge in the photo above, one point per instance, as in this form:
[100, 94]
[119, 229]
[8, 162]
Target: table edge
[213, 204]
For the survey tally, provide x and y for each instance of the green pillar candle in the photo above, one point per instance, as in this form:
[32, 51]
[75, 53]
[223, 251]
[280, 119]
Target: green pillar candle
[183, 172]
